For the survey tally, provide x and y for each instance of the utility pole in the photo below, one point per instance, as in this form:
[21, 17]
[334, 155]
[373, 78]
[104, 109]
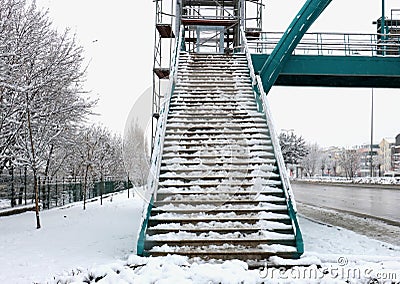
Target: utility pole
[383, 28]
[372, 132]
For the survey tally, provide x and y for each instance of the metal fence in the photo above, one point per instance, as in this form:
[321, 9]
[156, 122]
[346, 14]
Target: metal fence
[16, 190]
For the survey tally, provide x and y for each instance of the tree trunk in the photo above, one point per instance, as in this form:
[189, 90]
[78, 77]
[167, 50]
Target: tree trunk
[20, 195]
[128, 185]
[25, 186]
[48, 193]
[35, 184]
[44, 195]
[34, 169]
[12, 187]
[56, 193]
[85, 187]
[101, 187]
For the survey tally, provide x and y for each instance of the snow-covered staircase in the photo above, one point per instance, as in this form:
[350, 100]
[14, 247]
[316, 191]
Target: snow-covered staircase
[220, 194]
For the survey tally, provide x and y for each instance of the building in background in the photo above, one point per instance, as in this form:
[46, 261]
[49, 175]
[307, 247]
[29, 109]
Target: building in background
[396, 155]
[385, 154]
[365, 161]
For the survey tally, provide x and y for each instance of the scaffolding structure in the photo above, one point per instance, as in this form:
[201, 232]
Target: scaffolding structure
[164, 37]
[211, 26]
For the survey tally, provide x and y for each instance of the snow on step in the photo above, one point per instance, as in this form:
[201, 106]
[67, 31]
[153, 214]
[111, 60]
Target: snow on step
[220, 194]
[225, 207]
[227, 181]
[263, 215]
[216, 225]
[221, 188]
[225, 249]
[182, 235]
[211, 197]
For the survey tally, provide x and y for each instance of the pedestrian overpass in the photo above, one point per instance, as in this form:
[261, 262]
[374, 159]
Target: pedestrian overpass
[218, 187]
[333, 60]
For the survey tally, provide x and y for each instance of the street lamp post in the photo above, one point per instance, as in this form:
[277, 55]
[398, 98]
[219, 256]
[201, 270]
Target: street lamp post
[372, 133]
[383, 28]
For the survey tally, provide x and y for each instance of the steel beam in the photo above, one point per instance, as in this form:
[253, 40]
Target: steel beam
[271, 69]
[336, 71]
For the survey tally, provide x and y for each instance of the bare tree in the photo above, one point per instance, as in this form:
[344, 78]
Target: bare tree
[349, 160]
[86, 147]
[135, 154]
[311, 161]
[41, 94]
[377, 162]
[98, 153]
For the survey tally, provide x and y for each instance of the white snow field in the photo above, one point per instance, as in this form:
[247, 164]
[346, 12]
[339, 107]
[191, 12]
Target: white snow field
[98, 246]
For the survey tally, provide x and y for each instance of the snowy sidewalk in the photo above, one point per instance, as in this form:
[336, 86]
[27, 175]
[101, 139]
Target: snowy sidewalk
[76, 245]
[69, 238]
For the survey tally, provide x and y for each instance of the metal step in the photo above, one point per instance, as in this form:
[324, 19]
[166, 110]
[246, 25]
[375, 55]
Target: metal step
[189, 162]
[245, 254]
[218, 242]
[251, 229]
[220, 198]
[280, 209]
[153, 221]
[210, 117]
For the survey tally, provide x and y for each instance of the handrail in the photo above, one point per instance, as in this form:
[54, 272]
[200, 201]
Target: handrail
[259, 90]
[150, 194]
[152, 181]
[275, 142]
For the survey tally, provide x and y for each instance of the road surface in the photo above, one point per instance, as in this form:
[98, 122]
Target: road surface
[373, 212]
[380, 203]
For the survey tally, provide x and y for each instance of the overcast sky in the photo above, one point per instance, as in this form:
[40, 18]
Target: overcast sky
[118, 37]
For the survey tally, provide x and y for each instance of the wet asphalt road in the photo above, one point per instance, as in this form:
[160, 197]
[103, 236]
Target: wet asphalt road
[376, 201]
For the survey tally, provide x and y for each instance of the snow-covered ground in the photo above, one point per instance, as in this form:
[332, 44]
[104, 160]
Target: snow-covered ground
[358, 180]
[70, 238]
[76, 246]
[4, 203]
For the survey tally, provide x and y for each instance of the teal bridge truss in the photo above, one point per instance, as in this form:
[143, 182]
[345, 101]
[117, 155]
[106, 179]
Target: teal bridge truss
[297, 58]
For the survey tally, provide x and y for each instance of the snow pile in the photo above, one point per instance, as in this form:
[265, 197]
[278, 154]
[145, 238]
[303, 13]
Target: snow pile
[377, 180]
[360, 180]
[178, 269]
[169, 269]
[98, 246]
[4, 203]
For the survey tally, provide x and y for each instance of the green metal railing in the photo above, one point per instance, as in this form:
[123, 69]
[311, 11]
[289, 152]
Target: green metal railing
[263, 106]
[150, 195]
[263, 82]
[331, 44]
[56, 191]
